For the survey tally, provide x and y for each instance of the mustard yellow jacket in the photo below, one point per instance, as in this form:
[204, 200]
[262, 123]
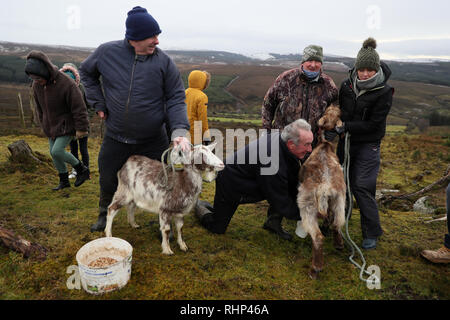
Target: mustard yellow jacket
[197, 103]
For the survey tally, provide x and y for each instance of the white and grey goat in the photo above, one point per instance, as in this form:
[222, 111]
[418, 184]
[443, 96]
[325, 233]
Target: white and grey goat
[140, 186]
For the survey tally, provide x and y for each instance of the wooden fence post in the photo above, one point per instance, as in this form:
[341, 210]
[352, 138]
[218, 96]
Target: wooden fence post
[20, 106]
[34, 120]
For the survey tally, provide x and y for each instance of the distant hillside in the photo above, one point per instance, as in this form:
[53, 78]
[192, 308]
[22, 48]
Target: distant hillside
[239, 82]
[430, 72]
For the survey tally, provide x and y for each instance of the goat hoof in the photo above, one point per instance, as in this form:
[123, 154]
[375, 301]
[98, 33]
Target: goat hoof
[169, 253]
[314, 274]
[338, 243]
[183, 247]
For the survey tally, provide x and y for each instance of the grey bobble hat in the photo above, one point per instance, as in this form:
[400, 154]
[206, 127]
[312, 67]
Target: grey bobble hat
[312, 52]
[368, 57]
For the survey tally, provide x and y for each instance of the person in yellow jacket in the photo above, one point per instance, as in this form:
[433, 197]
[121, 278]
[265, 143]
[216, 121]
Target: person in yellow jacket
[197, 105]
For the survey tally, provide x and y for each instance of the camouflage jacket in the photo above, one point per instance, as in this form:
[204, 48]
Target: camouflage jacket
[292, 97]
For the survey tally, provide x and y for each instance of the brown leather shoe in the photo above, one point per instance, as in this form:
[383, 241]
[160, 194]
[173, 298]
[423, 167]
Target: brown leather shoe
[441, 255]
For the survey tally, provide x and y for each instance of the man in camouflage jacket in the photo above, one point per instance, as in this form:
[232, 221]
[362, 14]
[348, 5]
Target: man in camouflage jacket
[303, 92]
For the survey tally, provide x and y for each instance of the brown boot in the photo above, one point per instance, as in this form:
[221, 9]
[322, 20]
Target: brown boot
[441, 255]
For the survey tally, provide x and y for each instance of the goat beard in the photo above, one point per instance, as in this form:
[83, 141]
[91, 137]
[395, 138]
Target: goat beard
[209, 175]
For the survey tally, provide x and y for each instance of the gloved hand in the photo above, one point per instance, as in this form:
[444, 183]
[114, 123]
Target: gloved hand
[330, 134]
[81, 134]
[340, 129]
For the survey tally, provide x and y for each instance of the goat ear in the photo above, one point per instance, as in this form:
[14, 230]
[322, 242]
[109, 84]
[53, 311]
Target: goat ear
[211, 146]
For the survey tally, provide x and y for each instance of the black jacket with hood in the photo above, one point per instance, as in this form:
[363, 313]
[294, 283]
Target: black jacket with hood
[264, 170]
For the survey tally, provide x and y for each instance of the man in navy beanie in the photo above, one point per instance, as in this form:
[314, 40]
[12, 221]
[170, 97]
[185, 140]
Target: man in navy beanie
[141, 25]
[141, 91]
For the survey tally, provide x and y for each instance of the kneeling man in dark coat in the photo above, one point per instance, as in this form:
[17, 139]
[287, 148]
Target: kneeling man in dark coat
[266, 169]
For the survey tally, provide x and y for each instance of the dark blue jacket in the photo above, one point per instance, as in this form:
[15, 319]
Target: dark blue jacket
[244, 182]
[138, 93]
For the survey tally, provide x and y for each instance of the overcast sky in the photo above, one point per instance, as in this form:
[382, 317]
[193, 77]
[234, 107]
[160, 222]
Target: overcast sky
[403, 28]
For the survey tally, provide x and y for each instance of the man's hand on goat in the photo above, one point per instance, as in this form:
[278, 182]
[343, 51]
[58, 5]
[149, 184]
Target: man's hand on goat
[182, 142]
[102, 115]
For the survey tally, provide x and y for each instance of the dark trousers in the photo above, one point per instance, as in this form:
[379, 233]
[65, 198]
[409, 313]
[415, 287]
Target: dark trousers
[447, 236]
[364, 167]
[83, 144]
[113, 155]
[224, 208]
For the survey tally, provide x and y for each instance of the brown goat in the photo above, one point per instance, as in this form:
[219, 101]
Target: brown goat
[321, 193]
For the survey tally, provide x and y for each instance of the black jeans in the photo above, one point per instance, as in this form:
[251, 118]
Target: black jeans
[224, 209]
[364, 167]
[83, 143]
[113, 155]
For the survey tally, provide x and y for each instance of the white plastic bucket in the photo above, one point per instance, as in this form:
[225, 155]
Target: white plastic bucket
[98, 280]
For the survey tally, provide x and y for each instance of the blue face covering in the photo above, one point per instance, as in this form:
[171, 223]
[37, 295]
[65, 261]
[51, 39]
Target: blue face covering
[311, 74]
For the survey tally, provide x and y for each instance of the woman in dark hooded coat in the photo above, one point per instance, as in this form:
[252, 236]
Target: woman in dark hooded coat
[62, 114]
[365, 99]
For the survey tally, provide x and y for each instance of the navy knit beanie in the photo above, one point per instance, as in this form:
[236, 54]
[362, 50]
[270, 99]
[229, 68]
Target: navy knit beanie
[140, 25]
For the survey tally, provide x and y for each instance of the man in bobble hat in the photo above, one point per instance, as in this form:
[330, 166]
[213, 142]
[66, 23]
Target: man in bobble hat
[303, 92]
[141, 89]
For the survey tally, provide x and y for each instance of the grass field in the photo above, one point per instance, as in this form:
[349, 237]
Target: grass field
[246, 262]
